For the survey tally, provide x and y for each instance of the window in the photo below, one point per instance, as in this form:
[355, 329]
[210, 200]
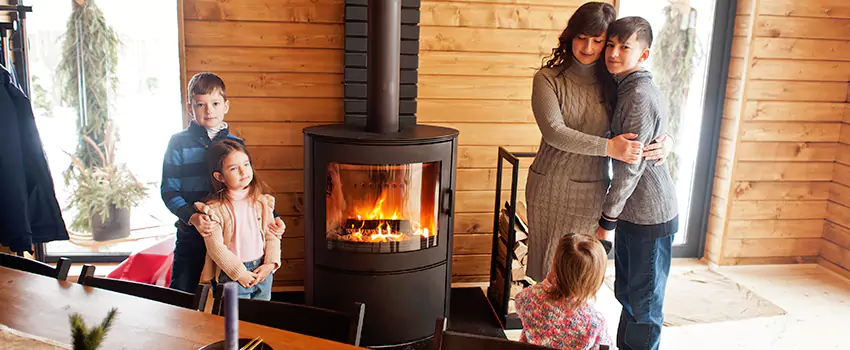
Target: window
[144, 107]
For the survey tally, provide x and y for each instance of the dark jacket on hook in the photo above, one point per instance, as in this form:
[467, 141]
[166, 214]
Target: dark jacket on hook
[29, 212]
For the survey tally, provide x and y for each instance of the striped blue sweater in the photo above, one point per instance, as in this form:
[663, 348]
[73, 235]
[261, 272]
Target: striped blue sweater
[185, 176]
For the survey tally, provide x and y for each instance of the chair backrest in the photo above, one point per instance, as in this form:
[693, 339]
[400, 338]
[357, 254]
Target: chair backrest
[59, 272]
[449, 340]
[343, 327]
[174, 297]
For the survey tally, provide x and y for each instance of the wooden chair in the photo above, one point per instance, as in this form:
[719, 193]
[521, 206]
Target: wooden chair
[313, 321]
[59, 272]
[174, 297]
[449, 340]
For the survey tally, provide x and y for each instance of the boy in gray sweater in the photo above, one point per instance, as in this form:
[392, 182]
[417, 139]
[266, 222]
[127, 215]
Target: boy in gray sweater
[641, 202]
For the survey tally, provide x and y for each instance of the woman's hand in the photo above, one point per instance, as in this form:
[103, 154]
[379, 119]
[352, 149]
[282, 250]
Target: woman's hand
[263, 271]
[248, 280]
[659, 149]
[277, 228]
[621, 148]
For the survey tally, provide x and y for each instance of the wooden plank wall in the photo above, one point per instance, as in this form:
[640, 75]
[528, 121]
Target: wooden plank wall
[282, 63]
[835, 252]
[786, 101]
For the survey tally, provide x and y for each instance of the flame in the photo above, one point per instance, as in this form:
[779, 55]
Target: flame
[384, 232]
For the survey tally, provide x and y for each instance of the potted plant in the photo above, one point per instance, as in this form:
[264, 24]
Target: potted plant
[102, 190]
[103, 193]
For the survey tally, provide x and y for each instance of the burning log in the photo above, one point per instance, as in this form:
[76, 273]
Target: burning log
[398, 226]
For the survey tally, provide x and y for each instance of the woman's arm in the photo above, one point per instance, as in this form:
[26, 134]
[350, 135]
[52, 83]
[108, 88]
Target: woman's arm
[550, 121]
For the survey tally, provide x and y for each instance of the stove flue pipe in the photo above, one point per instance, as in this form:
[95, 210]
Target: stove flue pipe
[384, 50]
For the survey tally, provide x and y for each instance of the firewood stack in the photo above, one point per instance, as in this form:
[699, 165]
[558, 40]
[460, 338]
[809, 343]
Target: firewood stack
[519, 251]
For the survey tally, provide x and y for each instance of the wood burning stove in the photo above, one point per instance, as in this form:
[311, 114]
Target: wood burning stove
[378, 205]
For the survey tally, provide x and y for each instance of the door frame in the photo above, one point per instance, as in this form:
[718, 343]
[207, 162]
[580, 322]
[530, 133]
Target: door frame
[715, 95]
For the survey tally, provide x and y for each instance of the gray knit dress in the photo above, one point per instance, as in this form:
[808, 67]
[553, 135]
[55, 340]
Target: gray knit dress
[568, 179]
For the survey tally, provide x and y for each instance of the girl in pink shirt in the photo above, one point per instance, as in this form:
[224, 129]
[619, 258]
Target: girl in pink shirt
[244, 245]
[557, 312]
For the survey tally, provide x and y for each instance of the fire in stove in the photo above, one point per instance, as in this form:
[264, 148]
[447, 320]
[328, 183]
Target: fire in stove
[381, 208]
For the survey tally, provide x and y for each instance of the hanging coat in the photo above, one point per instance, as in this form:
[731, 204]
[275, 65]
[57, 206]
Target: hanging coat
[29, 211]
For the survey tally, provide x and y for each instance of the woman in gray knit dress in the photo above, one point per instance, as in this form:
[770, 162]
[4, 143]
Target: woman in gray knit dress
[572, 98]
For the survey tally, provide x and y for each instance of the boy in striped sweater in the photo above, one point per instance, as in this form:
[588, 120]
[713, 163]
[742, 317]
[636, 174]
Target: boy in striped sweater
[641, 202]
[185, 177]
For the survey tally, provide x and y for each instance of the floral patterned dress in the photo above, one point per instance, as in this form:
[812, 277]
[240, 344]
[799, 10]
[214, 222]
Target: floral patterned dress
[555, 324]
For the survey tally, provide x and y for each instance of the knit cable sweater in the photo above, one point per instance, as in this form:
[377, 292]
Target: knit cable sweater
[640, 193]
[219, 257]
[568, 178]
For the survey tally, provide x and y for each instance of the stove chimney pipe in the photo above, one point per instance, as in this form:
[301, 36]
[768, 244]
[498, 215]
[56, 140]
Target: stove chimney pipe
[384, 50]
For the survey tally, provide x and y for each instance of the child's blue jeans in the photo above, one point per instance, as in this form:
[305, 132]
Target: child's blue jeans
[642, 268]
[259, 291]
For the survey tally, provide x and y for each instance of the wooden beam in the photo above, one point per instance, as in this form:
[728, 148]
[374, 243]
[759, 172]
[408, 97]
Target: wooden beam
[837, 234]
[785, 69]
[263, 34]
[838, 214]
[786, 151]
[790, 171]
[837, 255]
[507, 16]
[842, 174]
[474, 111]
[796, 91]
[798, 27]
[283, 85]
[479, 64]
[457, 39]
[819, 8]
[809, 49]
[777, 210]
[304, 11]
[286, 109]
[750, 190]
[767, 248]
[477, 88]
[264, 60]
[793, 111]
[809, 228]
[508, 135]
[789, 131]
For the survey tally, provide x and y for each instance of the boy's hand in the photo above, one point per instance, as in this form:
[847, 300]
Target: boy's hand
[602, 233]
[277, 228]
[203, 223]
[263, 271]
[248, 280]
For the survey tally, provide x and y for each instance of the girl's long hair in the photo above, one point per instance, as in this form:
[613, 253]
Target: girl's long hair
[579, 269]
[592, 19]
[215, 161]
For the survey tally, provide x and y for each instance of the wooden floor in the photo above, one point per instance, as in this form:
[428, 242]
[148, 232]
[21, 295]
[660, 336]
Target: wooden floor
[817, 302]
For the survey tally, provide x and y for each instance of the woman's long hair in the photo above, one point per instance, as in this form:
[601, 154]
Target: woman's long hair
[592, 19]
[215, 161]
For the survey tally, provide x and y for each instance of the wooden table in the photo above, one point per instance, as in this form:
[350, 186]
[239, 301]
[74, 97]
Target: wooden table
[40, 306]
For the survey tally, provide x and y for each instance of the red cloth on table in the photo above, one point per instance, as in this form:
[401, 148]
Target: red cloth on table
[151, 265]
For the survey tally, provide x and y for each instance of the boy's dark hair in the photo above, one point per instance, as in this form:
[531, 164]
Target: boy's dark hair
[623, 29]
[206, 83]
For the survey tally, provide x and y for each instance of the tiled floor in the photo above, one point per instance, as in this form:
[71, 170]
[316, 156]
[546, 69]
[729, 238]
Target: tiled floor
[817, 302]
